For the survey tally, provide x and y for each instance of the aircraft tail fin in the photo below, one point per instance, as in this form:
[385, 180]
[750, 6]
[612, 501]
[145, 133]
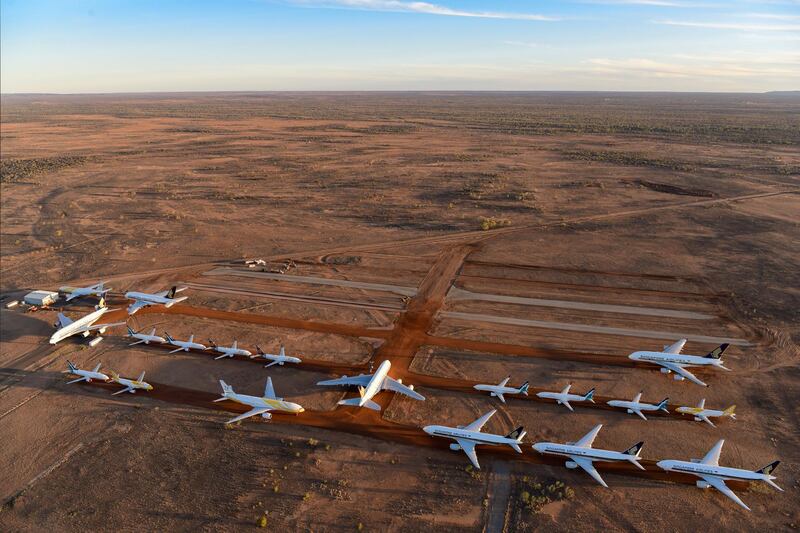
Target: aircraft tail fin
[589, 395]
[517, 434]
[717, 352]
[729, 411]
[169, 337]
[361, 391]
[114, 375]
[662, 405]
[635, 449]
[523, 389]
[71, 366]
[356, 402]
[171, 293]
[102, 303]
[130, 332]
[769, 469]
[225, 387]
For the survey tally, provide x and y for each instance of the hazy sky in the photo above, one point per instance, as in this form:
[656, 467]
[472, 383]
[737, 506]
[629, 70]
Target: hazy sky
[73, 46]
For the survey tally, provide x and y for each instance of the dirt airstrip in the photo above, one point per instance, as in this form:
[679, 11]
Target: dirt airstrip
[624, 225]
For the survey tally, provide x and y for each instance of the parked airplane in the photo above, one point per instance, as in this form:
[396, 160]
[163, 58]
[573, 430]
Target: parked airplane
[130, 384]
[86, 375]
[564, 397]
[500, 389]
[145, 338]
[637, 407]
[671, 360]
[279, 359]
[713, 475]
[371, 384]
[184, 346]
[94, 290]
[700, 412]
[229, 351]
[84, 325]
[260, 406]
[467, 437]
[581, 454]
[143, 299]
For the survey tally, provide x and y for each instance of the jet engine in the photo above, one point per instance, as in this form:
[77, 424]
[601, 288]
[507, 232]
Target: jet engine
[702, 484]
[571, 464]
[665, 370]
[455, 447]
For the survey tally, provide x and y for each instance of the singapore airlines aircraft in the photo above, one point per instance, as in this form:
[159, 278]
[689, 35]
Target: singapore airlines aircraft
[229, 351]
[279, 359]
[500, 389]
[145, 338]
[713, 475]
[94, 290]
[260, 406]
[701, 414]
[671, 360]
[371, 384]
[84, 325]
[86, 375]
[184, 346]
[131, 385]
[636, 406]
[564, 397]
[467, 437]
[581, 454]
[143, 299]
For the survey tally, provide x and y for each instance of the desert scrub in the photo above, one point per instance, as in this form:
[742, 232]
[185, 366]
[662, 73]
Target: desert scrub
[487, 223]
[12, 170]
[536, 495]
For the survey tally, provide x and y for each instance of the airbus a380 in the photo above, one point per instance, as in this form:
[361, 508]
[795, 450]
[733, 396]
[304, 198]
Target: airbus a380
[371, 384]
[581, 454]
[671, 360]
[467, 437]
[636, 406]
[260, 406]
[701, 414]
[143, 299]
[94, 290]
[564, 397]
[713, 475]
[501, 388]
[84, 325]
[229, 351]
[279, 359]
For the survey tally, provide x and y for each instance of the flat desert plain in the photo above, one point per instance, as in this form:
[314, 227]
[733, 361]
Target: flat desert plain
[464, 237]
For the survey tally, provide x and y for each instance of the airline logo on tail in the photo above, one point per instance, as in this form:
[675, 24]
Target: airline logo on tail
[589, 396]
[717, 352]
[769, 469]
[635, 449]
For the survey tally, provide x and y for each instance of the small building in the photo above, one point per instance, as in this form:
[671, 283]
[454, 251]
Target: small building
[41, 298]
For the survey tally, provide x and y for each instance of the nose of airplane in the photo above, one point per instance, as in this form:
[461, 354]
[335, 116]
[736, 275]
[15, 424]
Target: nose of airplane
[663, 465]
[539, 447]
[428, 429]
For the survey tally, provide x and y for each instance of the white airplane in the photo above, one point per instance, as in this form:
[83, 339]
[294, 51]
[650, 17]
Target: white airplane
[713, 475]
[145, 338]
[636, 407]
[184, 346]
[260, 406]
[581, 454]
[501, 388]
[701, 414]
[84, 325]
[671, 360]
[130, 384]
[371, 384]
[229, 351]
[467, 437]
[86, 375]
[564, 397]
[143, 299]
[279, 359]
[94, 290]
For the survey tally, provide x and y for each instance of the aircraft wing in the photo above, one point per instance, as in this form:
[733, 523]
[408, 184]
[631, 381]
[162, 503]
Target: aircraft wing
[479, 423]
[135, 306]
[588, 466]
[63, 320]
[712, 457]
[248, 414]
[675, 348]
[71, 296]
[395, 386]
[361, 380]
[679, 369]
[469, 448]
[98, 326]
[126, 389]
[587, 440]
[720, 485]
